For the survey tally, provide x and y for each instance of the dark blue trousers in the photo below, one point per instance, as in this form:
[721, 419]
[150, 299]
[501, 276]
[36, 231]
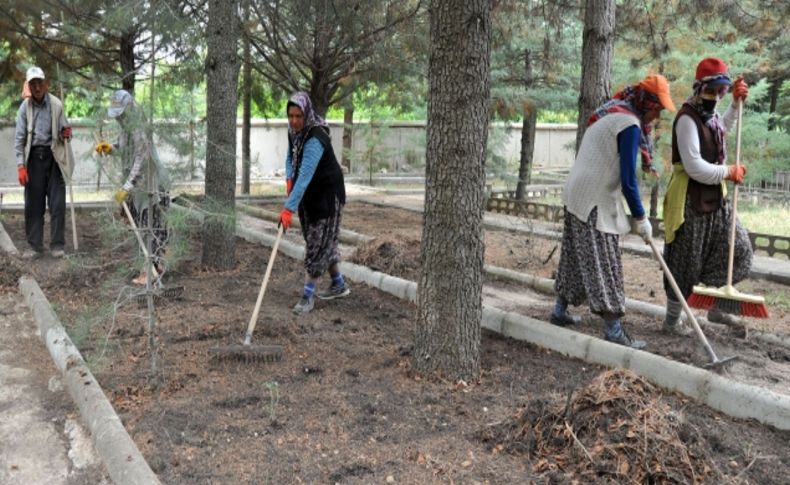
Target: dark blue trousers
[45, 188]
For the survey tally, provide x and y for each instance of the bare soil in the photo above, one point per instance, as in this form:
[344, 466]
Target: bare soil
[344, 406]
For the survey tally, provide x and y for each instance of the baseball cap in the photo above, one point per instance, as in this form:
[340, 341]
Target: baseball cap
[34, 72]
[118, 102]
[713, 71]
[658, 85]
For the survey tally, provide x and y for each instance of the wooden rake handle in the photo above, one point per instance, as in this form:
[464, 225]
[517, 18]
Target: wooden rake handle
[686, 308]
[731, 252]
[254, 318]
[137, 234]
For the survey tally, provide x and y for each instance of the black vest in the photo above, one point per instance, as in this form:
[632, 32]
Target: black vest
[327, 183]
[704, 198]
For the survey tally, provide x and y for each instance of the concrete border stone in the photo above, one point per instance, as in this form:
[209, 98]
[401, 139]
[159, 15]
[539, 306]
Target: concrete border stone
[124, 462]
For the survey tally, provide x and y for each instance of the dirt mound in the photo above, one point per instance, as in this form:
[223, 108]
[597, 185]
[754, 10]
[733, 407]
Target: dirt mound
[616, 429]
[11, 271]
[399, 258]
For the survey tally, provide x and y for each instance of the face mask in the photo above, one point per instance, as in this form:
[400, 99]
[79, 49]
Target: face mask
[708, 105]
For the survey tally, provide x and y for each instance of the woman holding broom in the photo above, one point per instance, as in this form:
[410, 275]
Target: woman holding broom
[605, 170]
[696, 213]
[315, 189]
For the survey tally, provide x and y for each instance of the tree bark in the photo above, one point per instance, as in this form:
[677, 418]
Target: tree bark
[348, 135]
[449, 300]
[222, 74]
[246, 93]
[527, 149]
[128, 70]
[773, 96]
[597, 55]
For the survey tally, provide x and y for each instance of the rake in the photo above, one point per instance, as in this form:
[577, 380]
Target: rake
[727, 299]
[246, 351]
[715, 362]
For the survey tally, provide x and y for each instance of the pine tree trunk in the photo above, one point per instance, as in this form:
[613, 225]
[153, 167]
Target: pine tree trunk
[527, 149]
[348, 135]
[449, 301]
[597, 55]
[222, 73]
[773, 97]
[246, 93]
[127, 60]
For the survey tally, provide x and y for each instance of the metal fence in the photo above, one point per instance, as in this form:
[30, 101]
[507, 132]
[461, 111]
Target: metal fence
[770, 244]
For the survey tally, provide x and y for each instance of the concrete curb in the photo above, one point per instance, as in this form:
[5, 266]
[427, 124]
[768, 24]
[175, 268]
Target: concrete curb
[6, 244]
[346, 236]
[725, 395]
[123, 459]
[546, 285]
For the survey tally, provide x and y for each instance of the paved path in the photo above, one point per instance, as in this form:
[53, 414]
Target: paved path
[41, 440]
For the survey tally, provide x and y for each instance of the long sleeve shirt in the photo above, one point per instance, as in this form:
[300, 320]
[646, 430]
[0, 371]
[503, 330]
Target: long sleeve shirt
[141, 153]
[42, 126]
[311, 155]
[689, 149]
[628, 147]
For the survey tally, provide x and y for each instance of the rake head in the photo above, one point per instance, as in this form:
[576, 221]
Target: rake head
[247, 353]
[172, 293]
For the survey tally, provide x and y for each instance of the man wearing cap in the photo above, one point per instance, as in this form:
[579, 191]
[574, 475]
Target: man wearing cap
[590, 267]
[696, 213]
[42, 162]
[141, 167]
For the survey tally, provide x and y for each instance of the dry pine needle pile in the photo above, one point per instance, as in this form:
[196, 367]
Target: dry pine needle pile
[616, 429]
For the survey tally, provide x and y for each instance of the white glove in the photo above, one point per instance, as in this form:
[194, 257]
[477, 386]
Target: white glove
[644, 229]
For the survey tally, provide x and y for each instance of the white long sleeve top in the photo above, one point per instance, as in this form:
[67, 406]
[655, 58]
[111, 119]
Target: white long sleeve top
[695, 166]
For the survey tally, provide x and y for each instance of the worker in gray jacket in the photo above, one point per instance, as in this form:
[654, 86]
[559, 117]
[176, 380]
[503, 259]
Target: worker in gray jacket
[42, 163]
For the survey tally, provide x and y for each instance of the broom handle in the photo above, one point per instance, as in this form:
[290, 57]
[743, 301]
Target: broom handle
[254, 318]
[74, 240]
[679, 296]
[67, 142]
[731, 254]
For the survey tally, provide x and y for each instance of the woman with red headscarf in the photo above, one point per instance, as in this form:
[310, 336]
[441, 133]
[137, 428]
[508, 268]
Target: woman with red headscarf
[696, 213]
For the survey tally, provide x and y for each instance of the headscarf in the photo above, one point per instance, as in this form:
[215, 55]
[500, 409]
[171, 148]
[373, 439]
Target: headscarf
[711, 118]
[301, 100]
[636, 101]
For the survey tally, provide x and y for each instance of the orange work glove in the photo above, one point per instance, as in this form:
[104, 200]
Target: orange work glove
[289, 185]
[285, 219]
[740, 90]
[736, 173]
[66, 132]
[22, 172]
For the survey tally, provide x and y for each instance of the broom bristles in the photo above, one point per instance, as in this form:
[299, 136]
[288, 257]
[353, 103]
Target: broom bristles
[703, 302]
[731, 305]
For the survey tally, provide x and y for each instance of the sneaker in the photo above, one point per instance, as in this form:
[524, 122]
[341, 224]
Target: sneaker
[141, 279]
[565, 320]
[625, 339]
[31, 254]
[305, 305]
[677, 328]
[57, 253]
[718, 316]
[335, 291]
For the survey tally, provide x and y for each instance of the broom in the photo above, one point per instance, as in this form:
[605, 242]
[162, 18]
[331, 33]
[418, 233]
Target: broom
[727, 299]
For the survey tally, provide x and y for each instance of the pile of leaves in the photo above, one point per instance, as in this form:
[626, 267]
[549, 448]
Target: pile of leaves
[399, 258]
[616, 429]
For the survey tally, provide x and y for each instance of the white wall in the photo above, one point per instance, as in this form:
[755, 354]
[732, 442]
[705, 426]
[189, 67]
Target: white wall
[269, 143]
